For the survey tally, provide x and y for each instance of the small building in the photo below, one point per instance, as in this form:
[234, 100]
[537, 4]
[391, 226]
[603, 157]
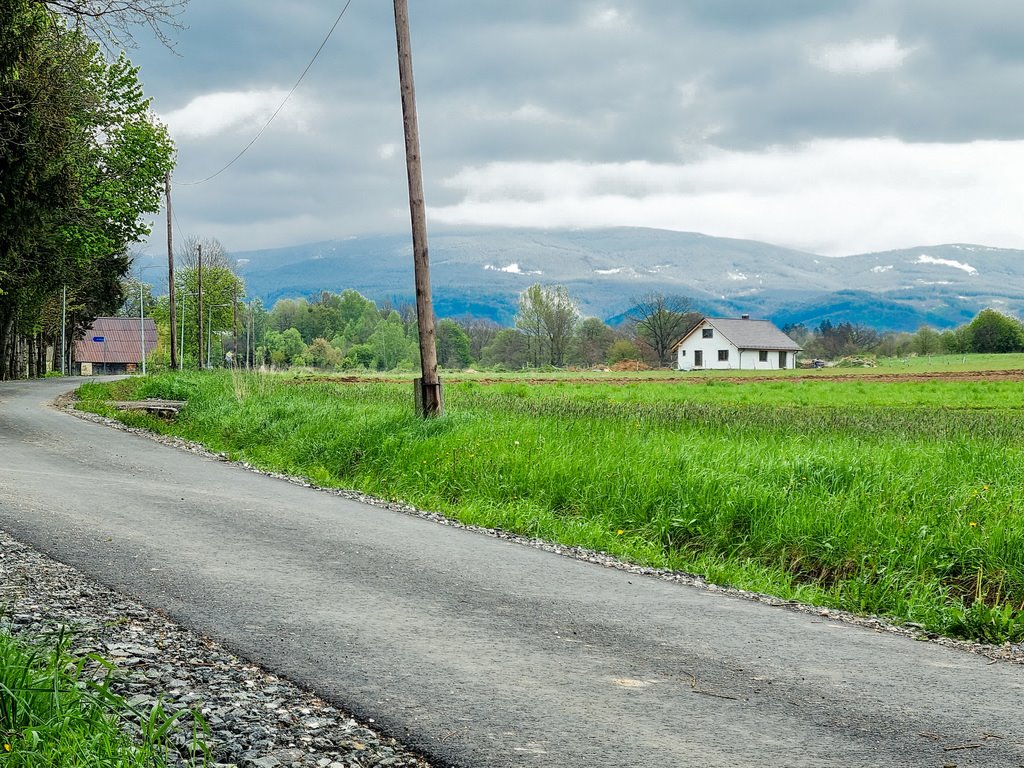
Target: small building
[718, 343]
[113, 344]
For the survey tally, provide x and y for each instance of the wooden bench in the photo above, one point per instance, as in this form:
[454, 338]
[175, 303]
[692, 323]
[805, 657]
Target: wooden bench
[165, 409]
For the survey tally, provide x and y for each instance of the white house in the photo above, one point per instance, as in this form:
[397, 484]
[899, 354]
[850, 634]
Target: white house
[718, 343]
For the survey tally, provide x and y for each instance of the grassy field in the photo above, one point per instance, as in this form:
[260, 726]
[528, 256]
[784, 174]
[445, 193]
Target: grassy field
[891, 496]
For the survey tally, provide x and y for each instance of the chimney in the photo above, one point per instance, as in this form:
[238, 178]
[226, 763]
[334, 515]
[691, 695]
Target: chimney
[744, 317]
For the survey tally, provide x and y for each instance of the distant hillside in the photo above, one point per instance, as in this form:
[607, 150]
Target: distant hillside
[481, 273]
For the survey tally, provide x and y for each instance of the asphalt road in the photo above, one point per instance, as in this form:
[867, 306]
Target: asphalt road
[481, 652]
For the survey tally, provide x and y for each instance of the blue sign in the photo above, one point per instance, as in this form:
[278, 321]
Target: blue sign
[98, 338]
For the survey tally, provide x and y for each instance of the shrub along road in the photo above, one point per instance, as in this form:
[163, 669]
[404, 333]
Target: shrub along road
[477, 651]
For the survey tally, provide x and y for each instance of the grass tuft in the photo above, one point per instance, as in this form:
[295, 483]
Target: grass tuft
[57, 710]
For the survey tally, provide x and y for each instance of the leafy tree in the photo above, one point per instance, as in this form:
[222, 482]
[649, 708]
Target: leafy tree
[81, 159]
[798, 332]
[509, 349]
[895, 344]
[927, 341]
[530, 322]
[360, 328]
[992, 331]
[956, 341]
[661, 321]
[287, 313]
[593, 339]
[481, 332]
[359, 356]
[842, 339]
[320, 354]
[389, 343]
[548, 315]
[452, 345]
[622, 349]
[284, 347]
[222, 291]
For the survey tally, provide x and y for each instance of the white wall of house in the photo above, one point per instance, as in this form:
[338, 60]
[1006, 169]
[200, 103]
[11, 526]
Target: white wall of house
[700, 351]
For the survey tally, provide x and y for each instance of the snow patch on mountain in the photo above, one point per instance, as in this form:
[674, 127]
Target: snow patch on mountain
[513, 269]
[925, 259]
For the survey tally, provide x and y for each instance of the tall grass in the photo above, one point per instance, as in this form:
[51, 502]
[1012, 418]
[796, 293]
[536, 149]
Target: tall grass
[55, 713]
[912, 511]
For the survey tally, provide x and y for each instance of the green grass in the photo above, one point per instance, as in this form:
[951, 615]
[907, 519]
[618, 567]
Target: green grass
[55, 713]
[904, 499]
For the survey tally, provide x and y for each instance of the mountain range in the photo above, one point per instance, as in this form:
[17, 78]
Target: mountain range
[481, 273]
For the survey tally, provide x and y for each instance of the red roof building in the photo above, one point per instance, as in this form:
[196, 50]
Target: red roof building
[112, 345]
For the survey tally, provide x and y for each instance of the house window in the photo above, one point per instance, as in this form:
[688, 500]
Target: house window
[682, 353]
[723, 355]
[708, 333]
[762, 356]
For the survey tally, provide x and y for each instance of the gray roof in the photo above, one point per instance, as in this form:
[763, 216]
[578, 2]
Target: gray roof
[749, 334]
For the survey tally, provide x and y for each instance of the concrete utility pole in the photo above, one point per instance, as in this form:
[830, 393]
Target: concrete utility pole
[199, 280]
[170, 273]
[429, 396]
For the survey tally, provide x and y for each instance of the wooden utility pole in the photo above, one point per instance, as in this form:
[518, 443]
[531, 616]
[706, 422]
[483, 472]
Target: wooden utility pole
[429, 397]
[170, 275]
[234, 324]
[199, 291]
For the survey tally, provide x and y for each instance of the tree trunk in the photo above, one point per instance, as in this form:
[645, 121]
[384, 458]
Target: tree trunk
[41, 349]
[6, 343]
[30, 356]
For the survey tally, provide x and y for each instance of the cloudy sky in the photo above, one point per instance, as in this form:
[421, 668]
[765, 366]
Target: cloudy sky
[837, 126]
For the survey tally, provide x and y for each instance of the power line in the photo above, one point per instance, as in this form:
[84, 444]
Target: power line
[279, 108]
[178, 226]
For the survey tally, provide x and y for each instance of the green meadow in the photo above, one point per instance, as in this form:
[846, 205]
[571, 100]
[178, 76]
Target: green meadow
[899, 498]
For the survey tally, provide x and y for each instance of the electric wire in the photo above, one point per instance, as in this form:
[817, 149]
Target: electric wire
[277, 111]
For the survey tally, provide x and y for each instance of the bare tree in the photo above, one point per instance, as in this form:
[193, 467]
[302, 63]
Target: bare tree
[112, 20]
[214, 254]
[661, 321]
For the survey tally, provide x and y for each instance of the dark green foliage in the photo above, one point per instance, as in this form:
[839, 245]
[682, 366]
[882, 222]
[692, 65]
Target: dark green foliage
[80, 161]
[993, 331]
[452, 345]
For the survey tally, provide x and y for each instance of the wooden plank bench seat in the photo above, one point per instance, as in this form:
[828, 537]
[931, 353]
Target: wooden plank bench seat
[165, 409]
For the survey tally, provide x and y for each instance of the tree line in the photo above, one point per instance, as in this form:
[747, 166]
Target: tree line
[990, 331]
[347, 331]
[82, 159]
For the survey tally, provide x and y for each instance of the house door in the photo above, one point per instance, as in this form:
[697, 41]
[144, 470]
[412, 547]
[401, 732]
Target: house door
[698, 359]
[782, 360]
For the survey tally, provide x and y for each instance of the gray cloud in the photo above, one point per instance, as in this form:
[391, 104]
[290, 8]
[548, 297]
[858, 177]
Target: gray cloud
[593, 82]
